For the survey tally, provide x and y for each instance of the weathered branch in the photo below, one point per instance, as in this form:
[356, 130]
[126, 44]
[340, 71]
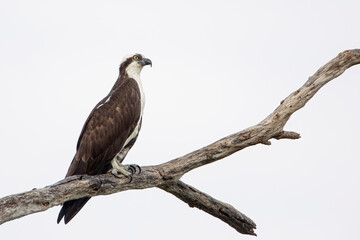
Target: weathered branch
[218, 209]
[166, 176]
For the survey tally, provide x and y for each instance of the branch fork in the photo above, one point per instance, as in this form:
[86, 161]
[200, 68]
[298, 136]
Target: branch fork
[167, 176]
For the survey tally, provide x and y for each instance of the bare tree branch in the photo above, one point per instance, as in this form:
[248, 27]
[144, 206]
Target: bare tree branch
[166, 176]
[218, 209]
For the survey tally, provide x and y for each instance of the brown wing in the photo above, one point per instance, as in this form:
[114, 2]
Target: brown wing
[105, 131]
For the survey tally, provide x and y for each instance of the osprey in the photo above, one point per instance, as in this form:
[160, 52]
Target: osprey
[110, 131]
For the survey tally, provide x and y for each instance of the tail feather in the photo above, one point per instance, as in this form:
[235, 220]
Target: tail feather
[71, 208]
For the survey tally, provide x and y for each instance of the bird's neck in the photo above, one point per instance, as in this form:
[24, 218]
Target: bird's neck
[133, 73]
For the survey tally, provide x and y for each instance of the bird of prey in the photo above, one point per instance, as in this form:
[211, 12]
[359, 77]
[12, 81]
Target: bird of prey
[110, 130]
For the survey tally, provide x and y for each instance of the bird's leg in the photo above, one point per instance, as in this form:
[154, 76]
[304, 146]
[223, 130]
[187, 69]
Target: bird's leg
[117, 167]
[126, 170]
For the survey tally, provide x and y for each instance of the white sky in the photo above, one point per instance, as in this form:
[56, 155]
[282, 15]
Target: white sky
[218, 67]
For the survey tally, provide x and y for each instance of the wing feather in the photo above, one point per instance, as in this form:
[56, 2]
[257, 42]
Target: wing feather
[105, 131]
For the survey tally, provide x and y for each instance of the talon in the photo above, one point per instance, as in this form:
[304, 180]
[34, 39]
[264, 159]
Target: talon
[139, 168]
[132, 169]
[135, 167]
[126, 170]
[123, 171]
[130, 179]
[115, 174]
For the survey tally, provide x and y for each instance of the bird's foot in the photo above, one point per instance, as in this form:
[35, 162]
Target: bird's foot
[126, 170]
[134, 168]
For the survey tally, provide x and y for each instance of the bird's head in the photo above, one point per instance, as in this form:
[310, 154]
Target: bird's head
[132, 64]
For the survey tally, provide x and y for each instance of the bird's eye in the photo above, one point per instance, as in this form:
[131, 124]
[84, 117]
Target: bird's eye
[136, 57]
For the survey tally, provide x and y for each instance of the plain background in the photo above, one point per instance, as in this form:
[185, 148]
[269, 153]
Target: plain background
[218, 67]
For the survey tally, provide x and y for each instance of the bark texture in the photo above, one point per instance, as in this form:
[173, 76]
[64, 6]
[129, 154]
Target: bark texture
[166, 176]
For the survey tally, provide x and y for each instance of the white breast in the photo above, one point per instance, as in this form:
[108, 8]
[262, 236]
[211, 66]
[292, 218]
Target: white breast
[133, 71]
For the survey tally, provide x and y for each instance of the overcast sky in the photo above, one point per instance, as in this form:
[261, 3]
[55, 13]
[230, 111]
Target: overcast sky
[218, 67]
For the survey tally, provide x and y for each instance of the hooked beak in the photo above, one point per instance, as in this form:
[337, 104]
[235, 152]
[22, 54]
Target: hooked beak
[146, 61]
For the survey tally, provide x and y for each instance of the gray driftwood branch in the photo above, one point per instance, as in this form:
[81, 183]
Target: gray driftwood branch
[166, 176]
